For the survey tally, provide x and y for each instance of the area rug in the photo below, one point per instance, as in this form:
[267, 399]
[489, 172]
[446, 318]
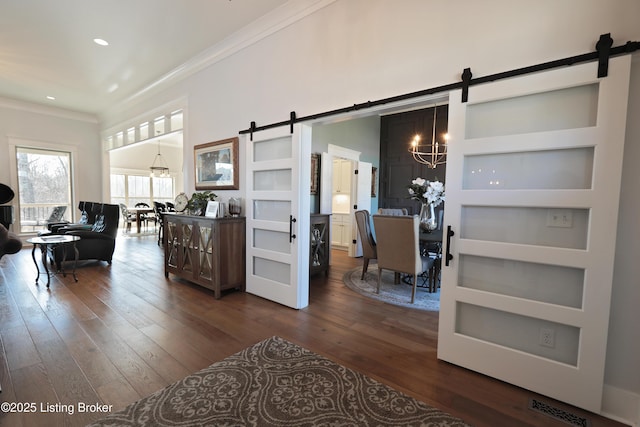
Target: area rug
[397, 294]
[279, 383]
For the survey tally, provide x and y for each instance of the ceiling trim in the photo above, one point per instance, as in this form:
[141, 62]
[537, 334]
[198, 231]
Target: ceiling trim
[31, 107]
[272, 22]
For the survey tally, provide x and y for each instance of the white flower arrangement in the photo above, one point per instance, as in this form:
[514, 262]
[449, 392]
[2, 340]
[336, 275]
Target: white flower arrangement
[424, 191]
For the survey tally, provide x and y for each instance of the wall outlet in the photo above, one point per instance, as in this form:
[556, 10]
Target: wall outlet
[560, 218]
[547, 337]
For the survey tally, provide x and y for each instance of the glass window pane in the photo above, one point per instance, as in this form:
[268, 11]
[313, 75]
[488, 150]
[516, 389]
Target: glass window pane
[272, 270]
[272, 149]
[537, 282]
[139, 189]
[570, 108]
[271, 240]
[162, 189]
[272, 180]
[563, 169]
[144, 131]
[529, 226]
[518, 332]
[44, 187]
[176, 120]
[272, 210]
[158, 126]
[131, 135]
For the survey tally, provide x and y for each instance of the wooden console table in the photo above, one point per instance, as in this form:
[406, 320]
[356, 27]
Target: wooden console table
[207, 251]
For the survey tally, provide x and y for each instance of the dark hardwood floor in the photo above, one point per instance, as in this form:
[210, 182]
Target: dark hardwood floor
[124, 331]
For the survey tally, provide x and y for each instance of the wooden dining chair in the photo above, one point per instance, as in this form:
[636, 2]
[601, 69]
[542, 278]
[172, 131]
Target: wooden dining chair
[398, 247]
[369, 251]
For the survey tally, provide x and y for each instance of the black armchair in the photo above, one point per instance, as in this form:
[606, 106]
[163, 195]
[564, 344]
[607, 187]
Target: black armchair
[99, 242]
[9, 242]
[87, 218]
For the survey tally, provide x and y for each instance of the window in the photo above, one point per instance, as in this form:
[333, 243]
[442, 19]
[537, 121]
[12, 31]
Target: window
[139, 189]
[163, 189]
[118, 189]
[130, 189]
[44, 187]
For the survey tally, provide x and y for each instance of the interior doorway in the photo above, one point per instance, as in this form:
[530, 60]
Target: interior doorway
[344, 188]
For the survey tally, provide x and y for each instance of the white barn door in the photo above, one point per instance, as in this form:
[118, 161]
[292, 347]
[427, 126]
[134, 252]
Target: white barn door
[278, 223]
[533, 182]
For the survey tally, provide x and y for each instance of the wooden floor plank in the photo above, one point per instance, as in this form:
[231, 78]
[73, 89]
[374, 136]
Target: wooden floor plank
[124, 331]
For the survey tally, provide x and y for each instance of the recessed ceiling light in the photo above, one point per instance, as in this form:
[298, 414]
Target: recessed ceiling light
[101, 42]
[51, 97]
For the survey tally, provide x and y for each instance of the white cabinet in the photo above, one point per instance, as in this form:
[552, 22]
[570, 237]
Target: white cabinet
[342, 176]
[341, 230]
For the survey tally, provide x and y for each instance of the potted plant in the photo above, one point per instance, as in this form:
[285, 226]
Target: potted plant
[198, 202]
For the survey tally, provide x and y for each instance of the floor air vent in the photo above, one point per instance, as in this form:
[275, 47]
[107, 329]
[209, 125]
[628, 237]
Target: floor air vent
[558, 414]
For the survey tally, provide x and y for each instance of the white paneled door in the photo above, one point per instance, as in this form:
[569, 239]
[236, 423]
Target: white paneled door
[277, 209]
[533, 182]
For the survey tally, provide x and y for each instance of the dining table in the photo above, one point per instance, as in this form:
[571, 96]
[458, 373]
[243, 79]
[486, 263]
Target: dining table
[139, 212]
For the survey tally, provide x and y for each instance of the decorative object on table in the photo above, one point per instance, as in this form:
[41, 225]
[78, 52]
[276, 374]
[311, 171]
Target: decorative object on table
[216, 165]
[235, 206]
[315, 172]
[277, 382]
[181, 202]
[433, 154]
[198, 202]
[212, 209]
[430, 194]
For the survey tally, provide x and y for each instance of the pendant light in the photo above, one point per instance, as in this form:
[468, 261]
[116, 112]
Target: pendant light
[433, 154]
[159, 165]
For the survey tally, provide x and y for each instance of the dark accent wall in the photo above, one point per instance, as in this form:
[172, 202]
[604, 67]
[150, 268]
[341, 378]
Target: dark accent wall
[397, 166]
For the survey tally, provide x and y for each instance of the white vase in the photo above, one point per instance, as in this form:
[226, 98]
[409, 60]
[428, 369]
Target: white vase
[428, 221]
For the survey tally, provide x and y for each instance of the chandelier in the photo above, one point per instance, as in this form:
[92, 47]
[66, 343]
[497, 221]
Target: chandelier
[433, 154]
[159, 166]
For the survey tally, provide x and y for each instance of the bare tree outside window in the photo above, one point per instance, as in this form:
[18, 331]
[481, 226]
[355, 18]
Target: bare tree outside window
[44, 182]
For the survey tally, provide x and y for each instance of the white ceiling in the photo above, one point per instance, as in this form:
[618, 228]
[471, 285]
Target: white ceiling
[47, 48]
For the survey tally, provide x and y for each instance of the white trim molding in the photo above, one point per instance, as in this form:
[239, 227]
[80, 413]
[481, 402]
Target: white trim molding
[15, 104]
[621, 405]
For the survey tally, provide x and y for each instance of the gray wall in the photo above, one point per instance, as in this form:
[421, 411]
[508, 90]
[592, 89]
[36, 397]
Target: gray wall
[362, 134]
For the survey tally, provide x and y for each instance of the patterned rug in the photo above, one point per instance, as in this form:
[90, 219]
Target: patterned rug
[391, 293]
[278, 383]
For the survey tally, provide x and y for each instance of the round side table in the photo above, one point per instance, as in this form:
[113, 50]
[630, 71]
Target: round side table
[50, 242]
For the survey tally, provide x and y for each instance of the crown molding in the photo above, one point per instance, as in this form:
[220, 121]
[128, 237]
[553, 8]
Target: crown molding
[30, 107]
[272, 22]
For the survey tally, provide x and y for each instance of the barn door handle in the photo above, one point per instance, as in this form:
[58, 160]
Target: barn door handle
[448, 256]
[291, 235]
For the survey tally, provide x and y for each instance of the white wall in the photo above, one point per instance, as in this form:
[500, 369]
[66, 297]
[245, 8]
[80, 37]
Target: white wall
[53, 126]
[352, 51]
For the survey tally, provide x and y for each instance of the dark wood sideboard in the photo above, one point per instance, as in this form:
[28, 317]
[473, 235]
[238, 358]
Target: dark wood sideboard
[207, 251]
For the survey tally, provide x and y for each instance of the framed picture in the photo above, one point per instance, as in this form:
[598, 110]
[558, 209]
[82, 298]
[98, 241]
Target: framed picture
[212, 209]
[216, 165]
[315, 172]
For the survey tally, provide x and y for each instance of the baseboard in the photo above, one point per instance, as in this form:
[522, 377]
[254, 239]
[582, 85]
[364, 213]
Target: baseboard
[621, 405]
